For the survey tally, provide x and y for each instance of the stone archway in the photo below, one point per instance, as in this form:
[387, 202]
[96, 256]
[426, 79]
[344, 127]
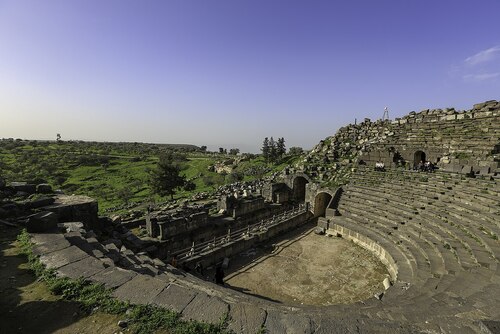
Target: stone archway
[397, 158]
[419, 156]
[299, 188]
[321, 202]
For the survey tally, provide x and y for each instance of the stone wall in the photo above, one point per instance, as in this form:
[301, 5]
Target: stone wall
[176, 226]
[75, 208]
[247, 206]
[367, 244]
[216, 226]
[237, 207]
[235, 247]
[276, 192]
[447, 137]
[312, 190]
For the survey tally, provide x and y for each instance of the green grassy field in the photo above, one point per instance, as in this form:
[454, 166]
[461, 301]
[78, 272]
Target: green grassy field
[116, 173]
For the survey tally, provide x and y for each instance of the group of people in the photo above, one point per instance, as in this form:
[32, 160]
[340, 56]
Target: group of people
[380, 166]
[422, 166]
[426, 166]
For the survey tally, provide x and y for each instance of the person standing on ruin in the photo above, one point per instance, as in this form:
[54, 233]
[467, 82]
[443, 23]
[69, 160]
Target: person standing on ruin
[219, 275]
[199, 268]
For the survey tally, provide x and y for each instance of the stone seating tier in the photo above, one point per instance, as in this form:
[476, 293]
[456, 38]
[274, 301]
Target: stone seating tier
[149, 281]
[441, 229]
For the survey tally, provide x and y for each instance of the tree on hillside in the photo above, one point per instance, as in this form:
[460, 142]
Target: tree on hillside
[295, 150]
[166, 179]
[189, 186]
[234, 151]
[272, 150]
[125, 194]
[265, 149]
[280, 148]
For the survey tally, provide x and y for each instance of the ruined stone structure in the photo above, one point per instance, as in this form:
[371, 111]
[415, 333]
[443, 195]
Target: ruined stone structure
[184, 230]
[238, 207]
[466, 141]
[437, 233]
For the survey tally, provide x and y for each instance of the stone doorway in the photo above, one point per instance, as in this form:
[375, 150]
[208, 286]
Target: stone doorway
[418, 156]
[321, 204]
[299, 188]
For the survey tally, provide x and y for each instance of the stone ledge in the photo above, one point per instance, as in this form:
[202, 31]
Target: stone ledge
[62, 257]
[175, 297]
[280, 322]
[84, 268]
[113, 277]
[246, 319]
[141, 289]
[206, 308]
[48, 242]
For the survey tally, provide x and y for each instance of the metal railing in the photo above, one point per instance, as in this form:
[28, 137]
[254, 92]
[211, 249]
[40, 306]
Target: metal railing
[243, 233]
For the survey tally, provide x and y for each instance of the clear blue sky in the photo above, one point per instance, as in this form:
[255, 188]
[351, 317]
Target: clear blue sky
[229, 73]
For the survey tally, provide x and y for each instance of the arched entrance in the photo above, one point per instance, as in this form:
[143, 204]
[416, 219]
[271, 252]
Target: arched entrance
[321, 204]
[418, 156]
[397, 158]
[299, 188]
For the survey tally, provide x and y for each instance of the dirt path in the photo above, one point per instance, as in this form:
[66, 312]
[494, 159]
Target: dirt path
[308, 269]
[27, 306]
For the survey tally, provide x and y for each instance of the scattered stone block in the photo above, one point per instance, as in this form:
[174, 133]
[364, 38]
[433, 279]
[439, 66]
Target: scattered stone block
[484, 170]
[71, 227]
[158, 262]
[23, 187]
[75, 238]
[41, 202]
[466, 170]
[75, 208]
[387, 283]
[107, 261]
[319, 230]
[44, 188]
[323, 223]
[123, 323]
[42, 222]
[98, 254]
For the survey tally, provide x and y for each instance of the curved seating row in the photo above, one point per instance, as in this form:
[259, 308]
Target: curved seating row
[441, 230]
